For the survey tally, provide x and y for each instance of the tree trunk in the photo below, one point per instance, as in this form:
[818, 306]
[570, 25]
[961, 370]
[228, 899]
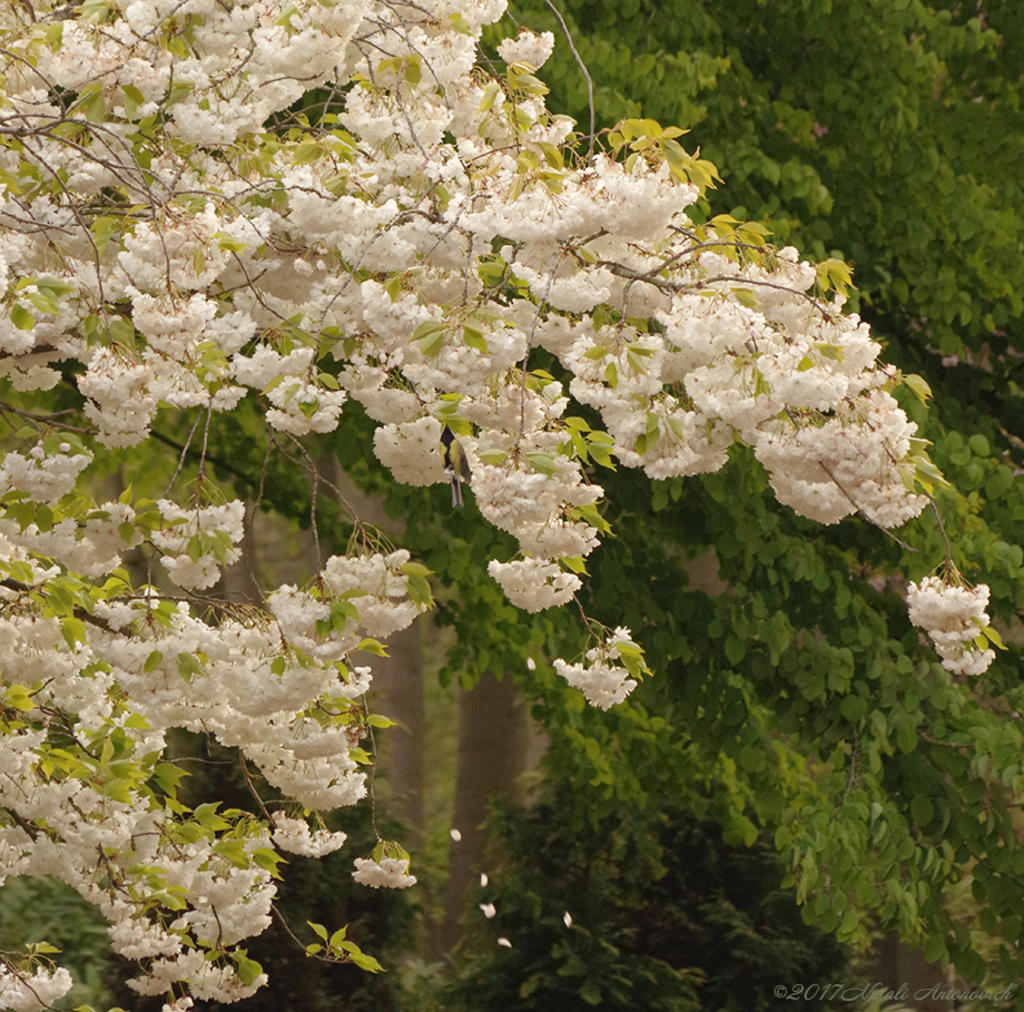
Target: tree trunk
[494, 746]
[398, 694]
[905, 976]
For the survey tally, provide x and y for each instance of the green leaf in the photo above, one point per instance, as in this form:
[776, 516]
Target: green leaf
[752, 758]
[919, 387]
[922, 809]
[491, 92]
[18, 697]
[415, 569]
[428, 329]
[906, 736]
[133, 98]
[363, 961]
[44, 518]
[474, 338]
[21, 317]
[122, 333]
[233, 851]
[73, 630]
[268, 860]
[189, 666]
[413, 69]
[308, 151]
[979, 445]
[745, 297]
[542, 462]
[169, 776]
[95, 108]
[226, 241]
[180, 90]
[935, 949]
[248, 970]
[493, 457]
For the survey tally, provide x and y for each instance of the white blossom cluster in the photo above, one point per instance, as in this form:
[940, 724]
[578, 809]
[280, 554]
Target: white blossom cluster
[20, 992]
[294, 836]
[163, 249]
[534, 585]
[378, 587]
[199, 569]
[954, 617]
[389, 872]
[602, 678]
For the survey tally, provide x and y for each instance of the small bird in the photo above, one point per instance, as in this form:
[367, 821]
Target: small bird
[455, 464]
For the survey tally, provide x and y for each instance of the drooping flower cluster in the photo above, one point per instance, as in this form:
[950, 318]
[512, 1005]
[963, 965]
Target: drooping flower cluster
[534, 585]
[293, 835]
[604, 677]
[389, 872]
[197, 542]
[163, 250]
[955, 620]
[32, 992]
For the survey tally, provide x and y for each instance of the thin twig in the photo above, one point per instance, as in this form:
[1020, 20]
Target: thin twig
[860, 512]
[942, 530]
[586, 73]
[373, 769]
[184, 453]
[252, 788]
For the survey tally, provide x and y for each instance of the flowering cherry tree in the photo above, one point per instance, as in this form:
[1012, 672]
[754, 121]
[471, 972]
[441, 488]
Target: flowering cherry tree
[167, 246]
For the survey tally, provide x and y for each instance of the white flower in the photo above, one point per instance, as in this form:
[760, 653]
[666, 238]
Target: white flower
[527, 47]
[391, 873]
[293, 835]
[32, 993]
[953, 616]
[180, 1005]
[533, 584]
[603, 682]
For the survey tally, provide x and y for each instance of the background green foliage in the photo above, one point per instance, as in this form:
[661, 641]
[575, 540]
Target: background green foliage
[887, 134]
[665, 916]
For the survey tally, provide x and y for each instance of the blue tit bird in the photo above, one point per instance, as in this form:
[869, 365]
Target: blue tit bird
[455, 464]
